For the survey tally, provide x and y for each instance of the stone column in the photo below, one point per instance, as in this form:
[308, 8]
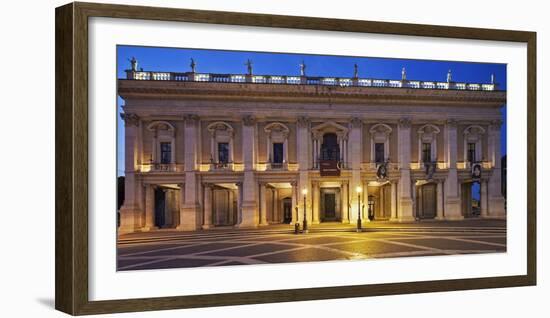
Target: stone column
[268, 149]
[149, 208]
[302, 145]
[295, 218]
[345, 201]
[355, 157]
[405, 211]
[239, 201]
[154, 149]
[207, 222]
[365, 202]
[130, 212]
[496, 200]
[263, 204]
[314, 152]
[315, 202]
[393, 201]
[440, 199]
[275, 206]
[484, 198]
[452, 198]
[249, 205]
[190, 212]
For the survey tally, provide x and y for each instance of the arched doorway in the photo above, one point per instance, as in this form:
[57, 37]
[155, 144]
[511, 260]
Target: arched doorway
[330, 150]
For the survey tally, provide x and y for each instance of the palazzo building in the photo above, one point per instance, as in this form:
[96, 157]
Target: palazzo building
[245, 150]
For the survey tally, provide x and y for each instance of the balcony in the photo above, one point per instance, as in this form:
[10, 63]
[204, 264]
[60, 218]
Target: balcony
[221, 166]
[159, 167]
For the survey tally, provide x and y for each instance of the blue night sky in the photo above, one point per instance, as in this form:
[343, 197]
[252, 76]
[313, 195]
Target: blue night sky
[218, 61]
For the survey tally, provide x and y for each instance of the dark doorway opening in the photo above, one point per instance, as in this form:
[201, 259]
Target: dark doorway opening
[426, 198]
[471, 199]
[287, 210]
[330, 150]
[160, 207]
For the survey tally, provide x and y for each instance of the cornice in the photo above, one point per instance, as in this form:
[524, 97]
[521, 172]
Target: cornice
[303, 93]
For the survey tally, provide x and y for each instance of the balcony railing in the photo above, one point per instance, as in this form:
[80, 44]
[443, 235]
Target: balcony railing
[306, 80]
[221, 166]
[160, 167]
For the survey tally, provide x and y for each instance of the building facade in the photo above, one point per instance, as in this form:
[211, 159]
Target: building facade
[226, 150]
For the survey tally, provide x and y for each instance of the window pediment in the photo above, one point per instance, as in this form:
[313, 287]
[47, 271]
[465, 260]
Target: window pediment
[220, 129]
[473, 133]
[330, 127]
[428, 133]
[161, 128]
[277, 131]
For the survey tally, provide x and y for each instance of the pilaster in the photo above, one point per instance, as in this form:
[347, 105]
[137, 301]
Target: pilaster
[405, 202]
[452, 198]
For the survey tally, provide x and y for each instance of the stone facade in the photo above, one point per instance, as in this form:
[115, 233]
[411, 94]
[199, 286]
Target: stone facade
[203, 154]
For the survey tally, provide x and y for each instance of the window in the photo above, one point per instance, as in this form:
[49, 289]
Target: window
[379, 152]
[277, 152]
[223, 152]
[165, 152]
[330, 150]
[471, 152]
[426, 152]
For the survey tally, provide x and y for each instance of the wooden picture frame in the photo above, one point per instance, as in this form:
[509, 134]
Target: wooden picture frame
[71, 269]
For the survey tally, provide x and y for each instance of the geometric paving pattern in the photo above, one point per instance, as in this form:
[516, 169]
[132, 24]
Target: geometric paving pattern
[172, 249]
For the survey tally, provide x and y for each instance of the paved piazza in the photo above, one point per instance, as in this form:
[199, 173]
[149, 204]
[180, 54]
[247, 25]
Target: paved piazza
[278, 244]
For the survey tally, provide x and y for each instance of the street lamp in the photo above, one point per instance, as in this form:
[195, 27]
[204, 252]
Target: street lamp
[304, 227]
[359, 190]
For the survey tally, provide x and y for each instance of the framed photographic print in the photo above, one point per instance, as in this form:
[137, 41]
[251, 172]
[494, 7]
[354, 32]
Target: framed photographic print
[245, 158]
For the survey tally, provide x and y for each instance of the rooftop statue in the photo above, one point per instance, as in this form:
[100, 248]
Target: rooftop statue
[403, 74]
[449, 76]
[355, 71]
[249, 66]
[303, 69]
[193, 65]
[134, 64]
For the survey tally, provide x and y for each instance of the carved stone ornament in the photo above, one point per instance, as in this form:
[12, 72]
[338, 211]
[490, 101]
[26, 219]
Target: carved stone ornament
[451, 122]
[249, 120]
[382, 171]
[302, 121]
[277, 128]
[130, 119]
[405, 122]
[191, 118]
[496, 124]
[356, 122]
